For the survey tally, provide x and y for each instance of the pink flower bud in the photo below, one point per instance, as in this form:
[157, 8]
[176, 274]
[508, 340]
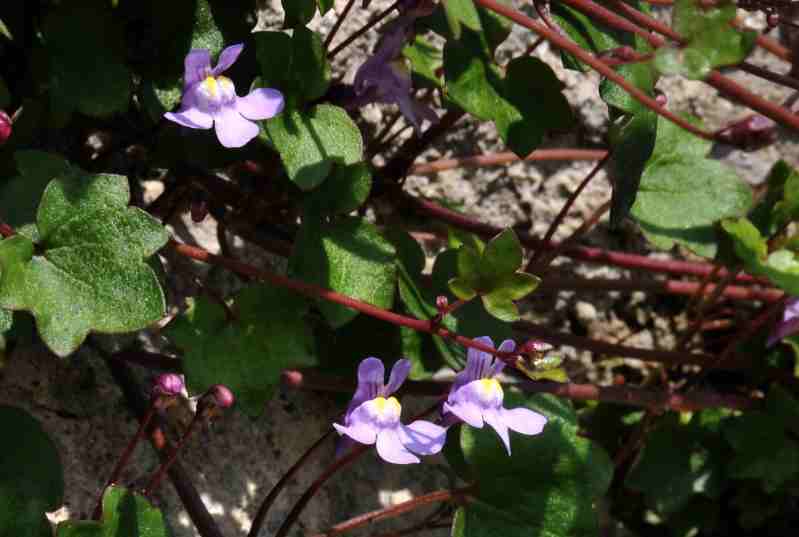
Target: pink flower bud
[222, 395]
[5, 127]
[442, 302]
[169, 384]
[534, 346]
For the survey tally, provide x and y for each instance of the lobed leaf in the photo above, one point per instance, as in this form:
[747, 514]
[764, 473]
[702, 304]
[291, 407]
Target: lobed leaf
[125, 513]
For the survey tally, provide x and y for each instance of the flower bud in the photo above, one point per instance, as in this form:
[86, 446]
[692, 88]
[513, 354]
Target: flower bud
[442, 303]
[5, 127]
[534, 346]
[169, 384]
[222, 395]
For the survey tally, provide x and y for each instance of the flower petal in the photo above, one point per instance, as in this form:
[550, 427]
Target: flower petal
[390, 448]
[232, 129]
[494, 419]
[196, 66]
[261, 103]
[359, 426]
[477, 361]
[523, 420]
[423, 437]
[191, 117]
[467, 411]
[398, 375]
[371, 373]
[227, 58]
[506, 346]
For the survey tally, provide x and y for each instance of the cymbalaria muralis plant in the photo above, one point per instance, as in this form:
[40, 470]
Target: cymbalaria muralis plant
[144, 142]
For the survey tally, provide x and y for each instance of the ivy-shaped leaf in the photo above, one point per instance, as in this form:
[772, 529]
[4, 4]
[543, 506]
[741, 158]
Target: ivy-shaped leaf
[475, 84]
[683, 194]
[493, 274]
[125, 513]
[86, 53]
[349, 256]
[426, 62]
[268, 332]
[88, 271]
[31, 477]
[548, 486]
[300, 68]
[462, 13]
[311, 141]
[711, 41]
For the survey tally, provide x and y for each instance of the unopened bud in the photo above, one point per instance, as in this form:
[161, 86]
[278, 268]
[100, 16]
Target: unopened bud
[534, 346]
[772, 20]
[5, 127]
[661, 99]
[442, 303]
[222, 396]
[752, 132]
[169, 384]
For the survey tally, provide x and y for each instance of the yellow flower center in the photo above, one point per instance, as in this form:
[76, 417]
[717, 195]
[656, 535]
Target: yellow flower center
[490, 389]
[390, 405]
[211, 85]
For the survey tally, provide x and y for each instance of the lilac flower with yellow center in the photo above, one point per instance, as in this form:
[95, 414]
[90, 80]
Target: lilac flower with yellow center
[476, 396]
[210, 100]
[373, 417]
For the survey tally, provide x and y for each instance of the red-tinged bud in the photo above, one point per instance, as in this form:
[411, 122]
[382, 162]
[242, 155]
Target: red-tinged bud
[169, 384]
[534, 346]
[442, 303]
[661, 99]
[752, 132]
[199, 206]
[619, 380]
[772, 20]
[5, 127]
[222, 395]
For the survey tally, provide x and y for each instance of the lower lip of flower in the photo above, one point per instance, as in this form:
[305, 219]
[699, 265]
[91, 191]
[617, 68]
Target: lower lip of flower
[214, 92]
[386, 411]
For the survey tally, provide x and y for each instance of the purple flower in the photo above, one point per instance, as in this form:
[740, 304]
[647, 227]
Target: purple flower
[789, 325]
[210, 99]
[476, 396]
[169, 384]
[384, 77]
[373, 416]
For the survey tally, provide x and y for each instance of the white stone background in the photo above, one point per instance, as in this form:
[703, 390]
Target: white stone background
[235, 462]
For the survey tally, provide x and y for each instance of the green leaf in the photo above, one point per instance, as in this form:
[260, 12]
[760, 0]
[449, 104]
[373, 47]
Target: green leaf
[86, 52]
[426, 61]
[711, 40]
[503, 255]
[780, 205]
[125, 513]
[516, 286]
[89, 273]
[344, 191]
[675, 465]
[19, 197]
[632, 140]
[590, 35]
[300, 68]
[298, 12]
[763, 451]
[268, 334]
[641, 76]
[548, 486]
[325, 5]
[31, 477]
[6, 320]
[475, 84]
[780, 266]
[311, 141]
[462, 13]
[348, 256]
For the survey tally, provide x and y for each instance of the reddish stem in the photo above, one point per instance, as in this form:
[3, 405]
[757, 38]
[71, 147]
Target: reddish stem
[457, 495]
[125, 457]
[161, 472]
[583, 253]
[263, 510]
[498, 159]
